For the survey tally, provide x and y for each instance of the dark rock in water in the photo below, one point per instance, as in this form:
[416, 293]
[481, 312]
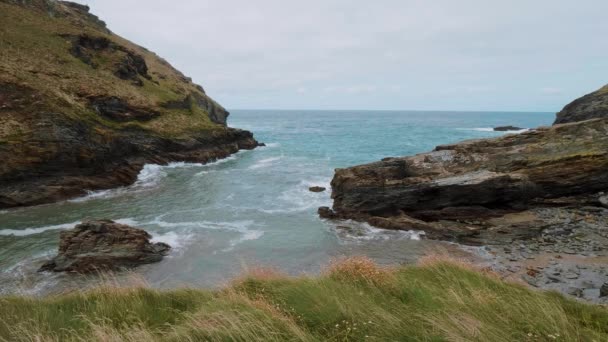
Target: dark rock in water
[104, 245]
[507, 128]
[316, 189]
[590, 106]
[326, 213]
[604, 290]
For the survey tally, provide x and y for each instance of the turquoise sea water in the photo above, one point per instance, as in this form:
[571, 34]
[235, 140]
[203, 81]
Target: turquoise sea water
[254, 208]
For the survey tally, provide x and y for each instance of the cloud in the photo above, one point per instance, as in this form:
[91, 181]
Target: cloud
[400, 53]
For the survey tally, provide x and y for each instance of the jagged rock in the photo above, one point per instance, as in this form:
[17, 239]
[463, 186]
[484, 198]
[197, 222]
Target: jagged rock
[590, 106]
[316, 189]
[104, 245]
[507, 128]
[119, 110]
[443, 192]
[94, 50]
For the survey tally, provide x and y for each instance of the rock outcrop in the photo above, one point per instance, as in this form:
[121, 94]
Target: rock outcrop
[104, 245]
[590, 106]
[507, 128]
[480, 191]
[84, 109]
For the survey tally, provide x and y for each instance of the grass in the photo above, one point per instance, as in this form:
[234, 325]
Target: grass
[353, 300]
[35, 53]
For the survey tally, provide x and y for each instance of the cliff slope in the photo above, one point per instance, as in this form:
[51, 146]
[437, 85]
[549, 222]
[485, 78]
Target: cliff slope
[83, 109]
[590, 106]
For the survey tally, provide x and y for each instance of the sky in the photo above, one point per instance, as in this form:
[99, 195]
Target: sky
[469, 55]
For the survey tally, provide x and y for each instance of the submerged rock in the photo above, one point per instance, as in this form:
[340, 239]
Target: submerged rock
[507, 128]
[104, 245]
[316, 189]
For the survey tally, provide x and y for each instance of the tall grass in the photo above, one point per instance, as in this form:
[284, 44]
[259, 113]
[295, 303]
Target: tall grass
[354, 300]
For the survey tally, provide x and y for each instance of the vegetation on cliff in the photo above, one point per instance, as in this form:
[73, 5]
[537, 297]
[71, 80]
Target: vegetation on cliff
[354, 300]
[83, 109]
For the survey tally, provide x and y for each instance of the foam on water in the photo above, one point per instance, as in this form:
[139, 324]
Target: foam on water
[173, 239]
[249, 235]
[357, 232]
[36, 230]
[262, 163]
[150, 176]
[272, 145]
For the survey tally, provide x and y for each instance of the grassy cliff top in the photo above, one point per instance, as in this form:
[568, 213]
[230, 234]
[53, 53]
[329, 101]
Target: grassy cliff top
[354, 300]
[68, 60]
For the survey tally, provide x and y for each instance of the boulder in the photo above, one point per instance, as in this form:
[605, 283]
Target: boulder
[103, 245]
[507, 128]
[604, 290]
[316, 189]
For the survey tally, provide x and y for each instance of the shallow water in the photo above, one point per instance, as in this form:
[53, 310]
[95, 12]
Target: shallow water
[253, 208]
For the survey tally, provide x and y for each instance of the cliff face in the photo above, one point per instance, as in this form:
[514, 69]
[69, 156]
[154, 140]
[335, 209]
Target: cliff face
[83, 109]
[475, 191]
[590, 106]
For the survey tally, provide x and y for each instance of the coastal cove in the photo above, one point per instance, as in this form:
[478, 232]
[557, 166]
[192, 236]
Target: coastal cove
[252, 208]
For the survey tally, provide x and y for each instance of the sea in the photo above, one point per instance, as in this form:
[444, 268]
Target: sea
[253, 209]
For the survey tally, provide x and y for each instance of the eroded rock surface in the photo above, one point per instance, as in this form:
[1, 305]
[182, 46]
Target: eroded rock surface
[479, 191]
[104, 245]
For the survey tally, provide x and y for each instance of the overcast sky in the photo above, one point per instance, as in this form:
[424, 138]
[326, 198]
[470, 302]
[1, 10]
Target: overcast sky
[519, 55]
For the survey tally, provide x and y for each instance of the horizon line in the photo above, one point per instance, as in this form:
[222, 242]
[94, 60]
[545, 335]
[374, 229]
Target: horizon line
[395, 110]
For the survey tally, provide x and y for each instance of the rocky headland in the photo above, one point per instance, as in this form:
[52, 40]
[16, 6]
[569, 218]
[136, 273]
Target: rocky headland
[83, 109]
[537, 200]
[104, 245]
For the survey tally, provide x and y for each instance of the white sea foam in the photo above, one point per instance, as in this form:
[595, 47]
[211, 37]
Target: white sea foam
[36, 230]
[128, 221]
[272, 145]
[361, 231]
[173, 239]
[149, 177]
[249, 235]
[262, 163]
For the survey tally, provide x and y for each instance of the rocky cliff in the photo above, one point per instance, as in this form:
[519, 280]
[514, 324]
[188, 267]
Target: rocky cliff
[480, 191]
[83, 109]
[590, 106]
